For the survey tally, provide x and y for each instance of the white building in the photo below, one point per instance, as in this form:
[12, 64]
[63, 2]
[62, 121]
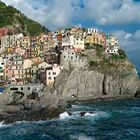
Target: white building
[68, 40]
[92, 30]
[11, 40]
[79, 42]
[71, 59]
[112, 49]
[111, 40]
[48, 75]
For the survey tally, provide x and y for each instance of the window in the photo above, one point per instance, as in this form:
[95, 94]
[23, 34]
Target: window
[49, 78]
[71, 57]
[13, 88]
[49, 73]
[54, 73]
[28, 88]
[21, 88]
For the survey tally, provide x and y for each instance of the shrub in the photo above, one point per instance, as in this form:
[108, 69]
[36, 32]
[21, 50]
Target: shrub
[93, 63]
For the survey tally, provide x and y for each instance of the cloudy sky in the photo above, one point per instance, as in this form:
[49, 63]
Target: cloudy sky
[121, 17]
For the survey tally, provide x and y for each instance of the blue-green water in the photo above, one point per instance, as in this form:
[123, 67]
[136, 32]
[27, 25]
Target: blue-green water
[110, 120]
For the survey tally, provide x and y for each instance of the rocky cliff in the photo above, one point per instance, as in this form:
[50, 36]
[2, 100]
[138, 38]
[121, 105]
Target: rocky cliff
[90, 84]
[105, 76]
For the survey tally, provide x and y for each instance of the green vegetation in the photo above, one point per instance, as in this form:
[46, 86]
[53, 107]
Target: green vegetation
[99, 48]
[9, 16]
[88, 46]
[120, 56]
[93, 63]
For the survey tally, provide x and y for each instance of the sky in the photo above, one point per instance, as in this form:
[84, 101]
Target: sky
[120, 17]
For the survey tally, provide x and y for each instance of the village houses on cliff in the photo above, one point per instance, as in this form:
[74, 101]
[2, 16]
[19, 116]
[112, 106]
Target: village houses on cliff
[40, 59]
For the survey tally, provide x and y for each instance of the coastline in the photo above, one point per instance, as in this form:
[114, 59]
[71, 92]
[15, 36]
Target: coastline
[52, 113]
[88, 99]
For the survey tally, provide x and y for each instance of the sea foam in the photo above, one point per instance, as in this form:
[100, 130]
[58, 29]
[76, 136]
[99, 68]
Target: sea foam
[2, 124]
[64, 115]
[81, 137]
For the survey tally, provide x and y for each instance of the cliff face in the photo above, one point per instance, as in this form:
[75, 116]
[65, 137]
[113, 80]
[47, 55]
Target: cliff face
[90, 84]
[105, 76]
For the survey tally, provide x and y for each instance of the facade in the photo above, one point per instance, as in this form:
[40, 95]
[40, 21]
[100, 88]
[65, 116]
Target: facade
[79, 42]
[92, 31]
[26, 89]
[71, 59]
[68, 40]
[111, 40]
[11, 41]
[112, 49]
[25, 42]
[18, 71]
[48, 75]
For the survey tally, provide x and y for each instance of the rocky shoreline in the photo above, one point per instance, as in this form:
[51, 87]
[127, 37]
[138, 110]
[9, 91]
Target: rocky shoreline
[77, 85]
[49, 113]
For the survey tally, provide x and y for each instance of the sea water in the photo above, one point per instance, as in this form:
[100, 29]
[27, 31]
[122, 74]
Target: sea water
[103, 120]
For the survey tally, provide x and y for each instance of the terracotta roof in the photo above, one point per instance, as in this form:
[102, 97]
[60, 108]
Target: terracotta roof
[36, 64]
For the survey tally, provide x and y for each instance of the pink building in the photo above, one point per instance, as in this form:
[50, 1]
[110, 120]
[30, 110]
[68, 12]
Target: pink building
[22, 52]
[5, 31]
[48, 75]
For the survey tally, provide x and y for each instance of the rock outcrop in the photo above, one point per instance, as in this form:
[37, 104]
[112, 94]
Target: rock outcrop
[90, 84]
[137, 95]
[17, 109]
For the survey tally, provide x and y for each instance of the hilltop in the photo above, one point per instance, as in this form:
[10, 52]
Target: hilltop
[14, 19]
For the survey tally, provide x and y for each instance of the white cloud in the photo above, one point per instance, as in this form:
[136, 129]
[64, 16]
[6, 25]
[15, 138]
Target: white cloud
[52, 13]
[112, 11]
[131, 44]
[128, 41]
[59, 13]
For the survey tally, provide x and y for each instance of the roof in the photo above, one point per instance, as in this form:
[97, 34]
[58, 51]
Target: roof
[36, 64]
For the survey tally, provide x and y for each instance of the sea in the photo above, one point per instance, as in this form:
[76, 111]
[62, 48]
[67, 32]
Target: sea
[102, 120]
